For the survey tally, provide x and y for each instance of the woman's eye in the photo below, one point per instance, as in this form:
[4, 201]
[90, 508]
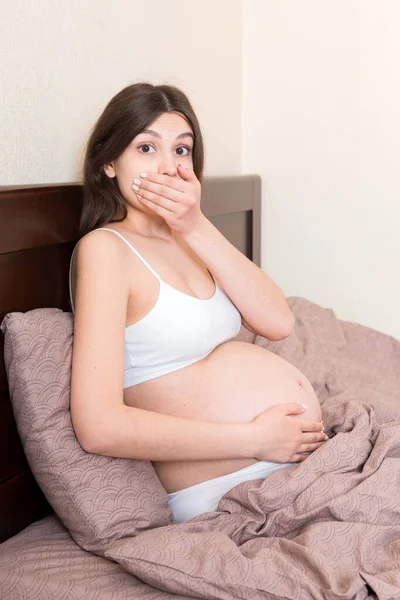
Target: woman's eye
[146, 146]
[187, 150]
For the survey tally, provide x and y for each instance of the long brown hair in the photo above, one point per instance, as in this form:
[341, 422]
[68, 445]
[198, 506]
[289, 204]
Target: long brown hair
[127, 114]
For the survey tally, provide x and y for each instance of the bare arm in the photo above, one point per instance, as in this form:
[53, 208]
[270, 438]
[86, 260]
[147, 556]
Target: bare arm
[136, 433]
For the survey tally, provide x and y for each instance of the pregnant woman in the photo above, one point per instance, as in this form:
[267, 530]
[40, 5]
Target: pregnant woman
[159, 295]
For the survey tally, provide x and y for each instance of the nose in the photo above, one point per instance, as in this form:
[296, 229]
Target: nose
[167, 165]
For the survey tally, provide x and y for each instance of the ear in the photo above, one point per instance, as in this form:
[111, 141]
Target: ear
[109, 170]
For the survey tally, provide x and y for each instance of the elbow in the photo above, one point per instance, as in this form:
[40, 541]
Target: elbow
[286, 323]
[88, 443]
[88, 440]
[284, 331]
[289, 326]
[92, 445]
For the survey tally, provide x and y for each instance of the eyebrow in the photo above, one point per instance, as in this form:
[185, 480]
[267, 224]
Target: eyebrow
[178, 137]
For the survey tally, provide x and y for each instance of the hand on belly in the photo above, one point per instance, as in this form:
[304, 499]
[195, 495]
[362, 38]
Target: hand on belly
[238, 382]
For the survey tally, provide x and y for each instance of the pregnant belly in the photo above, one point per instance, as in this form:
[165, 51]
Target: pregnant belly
[234, 383]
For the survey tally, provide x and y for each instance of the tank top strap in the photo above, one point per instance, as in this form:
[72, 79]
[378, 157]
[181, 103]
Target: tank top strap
[126, 242]
[133, 250]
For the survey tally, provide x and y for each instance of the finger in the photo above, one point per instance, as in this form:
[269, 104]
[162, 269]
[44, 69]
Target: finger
[310, 447]
[163, 212]
[172, 182]
[293, 408]
[156, 202]
[156, 188]
[300, 457]
[187, 173]
[308, 425]
[309, 438]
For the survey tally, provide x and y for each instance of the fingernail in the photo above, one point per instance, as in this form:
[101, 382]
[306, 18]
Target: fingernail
[143, 174]
[326, 437]
[304, 406]
[135, 187]
[137, 181]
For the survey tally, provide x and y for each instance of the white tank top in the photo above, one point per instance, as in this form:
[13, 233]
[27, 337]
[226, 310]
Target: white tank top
[178, 331]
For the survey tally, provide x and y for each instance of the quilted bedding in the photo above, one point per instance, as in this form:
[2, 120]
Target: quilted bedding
[326, 528]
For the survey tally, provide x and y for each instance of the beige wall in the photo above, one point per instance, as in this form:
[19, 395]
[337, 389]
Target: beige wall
[63, 60]
[304, 93]
[321, 125]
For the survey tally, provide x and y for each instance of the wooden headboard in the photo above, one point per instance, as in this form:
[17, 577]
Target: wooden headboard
[38, 231]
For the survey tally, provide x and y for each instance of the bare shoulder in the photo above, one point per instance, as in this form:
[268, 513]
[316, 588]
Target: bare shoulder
[99, 245]
[100, 281]
[99, 251]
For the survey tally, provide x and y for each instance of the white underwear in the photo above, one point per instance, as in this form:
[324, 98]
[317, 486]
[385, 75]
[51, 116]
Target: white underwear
[205, 496]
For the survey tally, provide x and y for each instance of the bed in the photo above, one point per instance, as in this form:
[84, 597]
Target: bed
[327, 528]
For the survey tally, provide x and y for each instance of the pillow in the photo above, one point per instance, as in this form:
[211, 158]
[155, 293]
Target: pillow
[98, 498]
